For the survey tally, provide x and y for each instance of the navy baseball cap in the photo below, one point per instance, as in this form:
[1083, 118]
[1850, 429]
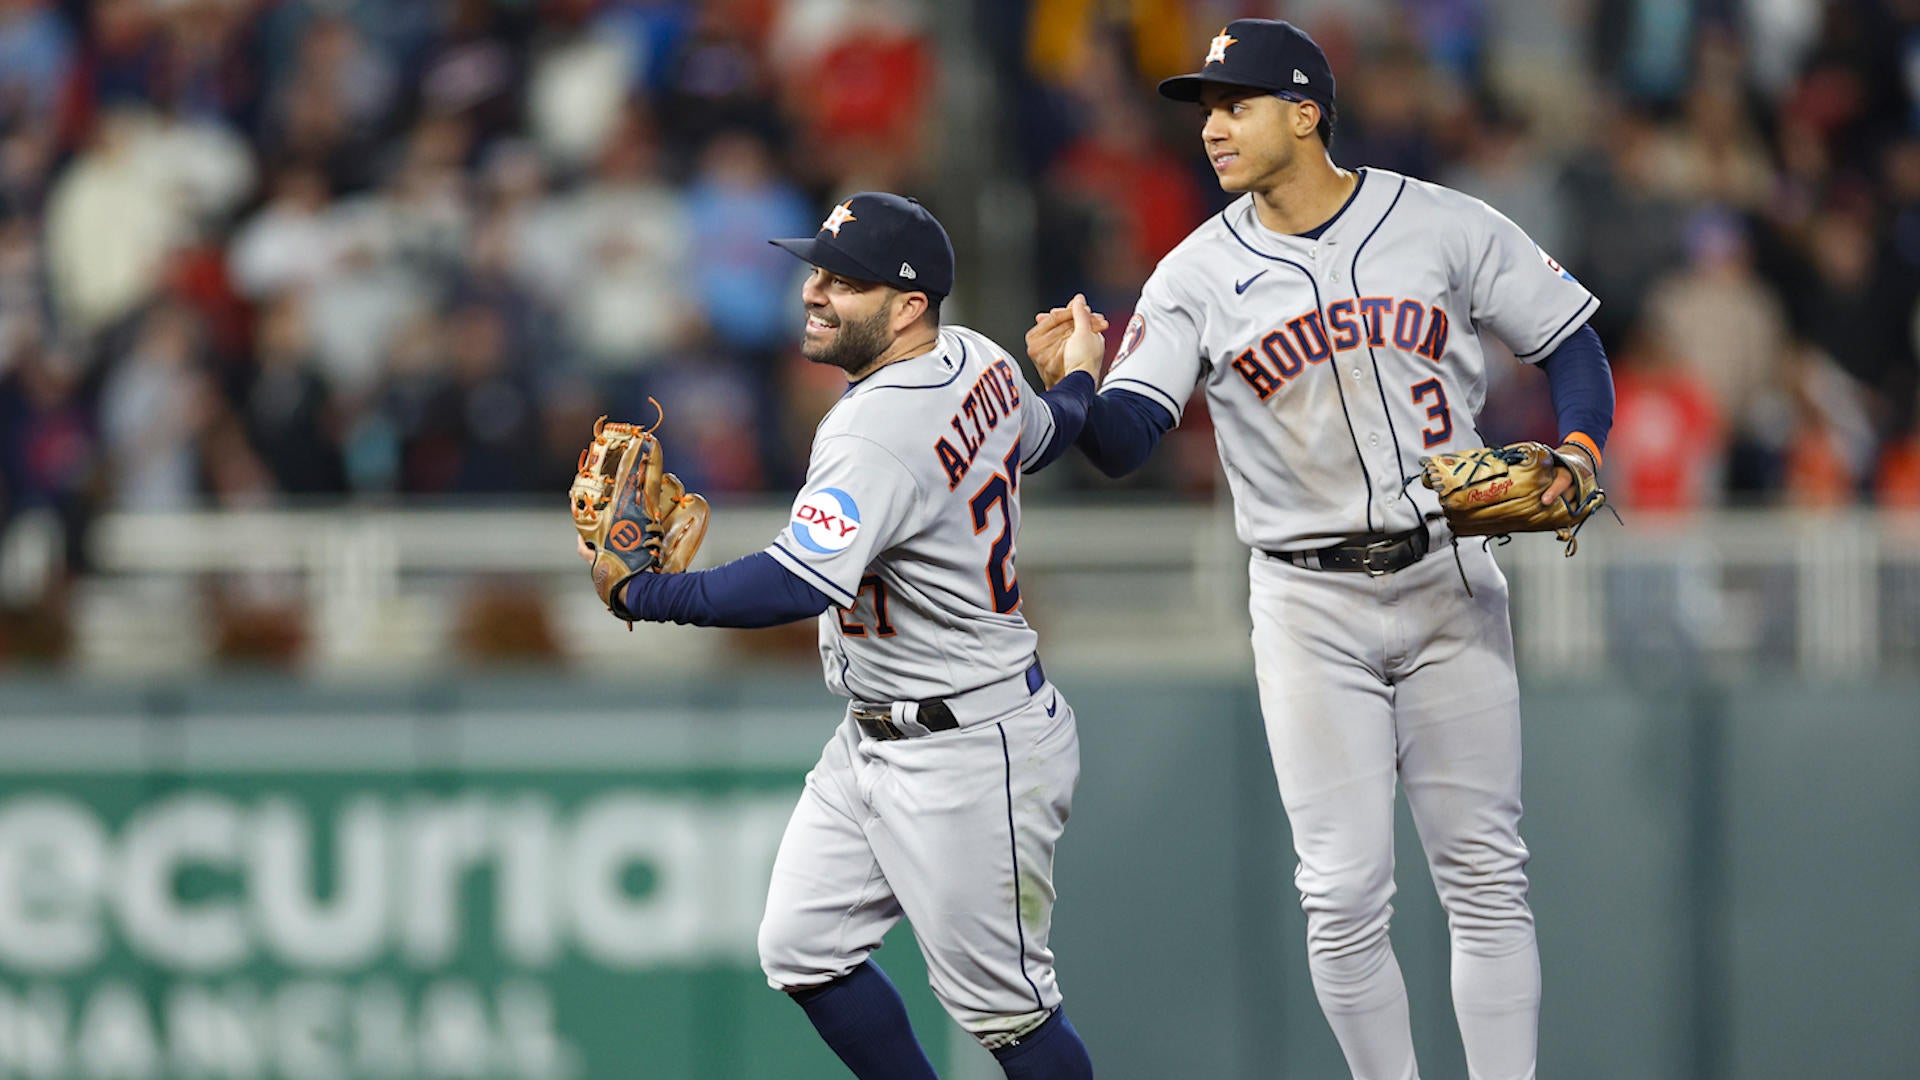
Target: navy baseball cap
[1266, 54]
[879, 236]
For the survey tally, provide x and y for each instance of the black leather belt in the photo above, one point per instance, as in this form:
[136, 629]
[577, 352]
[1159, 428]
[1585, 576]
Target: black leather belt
[1372, 555]
[876, 720]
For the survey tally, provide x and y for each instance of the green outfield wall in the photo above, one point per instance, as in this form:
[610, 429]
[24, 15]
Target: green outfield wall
[256, 879]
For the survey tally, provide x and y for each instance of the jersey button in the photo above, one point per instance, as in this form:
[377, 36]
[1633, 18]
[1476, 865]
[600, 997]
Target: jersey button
[1356, 373]
[1373, 440]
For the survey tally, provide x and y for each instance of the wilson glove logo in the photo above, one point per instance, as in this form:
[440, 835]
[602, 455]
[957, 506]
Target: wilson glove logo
[626, 536]
[826, 521]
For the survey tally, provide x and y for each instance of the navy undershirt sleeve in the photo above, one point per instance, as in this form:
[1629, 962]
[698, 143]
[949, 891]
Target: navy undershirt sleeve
[1121, 430]
[1582, 386]
[1067, 401]
[750, 592]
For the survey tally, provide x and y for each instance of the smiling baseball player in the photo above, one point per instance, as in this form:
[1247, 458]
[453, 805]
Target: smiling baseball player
[1335, 319]
[948, 782]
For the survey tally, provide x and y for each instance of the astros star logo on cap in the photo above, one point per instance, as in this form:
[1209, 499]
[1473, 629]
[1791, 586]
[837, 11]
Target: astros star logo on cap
[1217, 52]
[840, 216]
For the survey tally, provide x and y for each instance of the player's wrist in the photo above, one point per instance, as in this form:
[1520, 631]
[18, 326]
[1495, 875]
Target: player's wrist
[1588, 451]
[621, 603]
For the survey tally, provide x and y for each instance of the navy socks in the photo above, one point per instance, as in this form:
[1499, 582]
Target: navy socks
[861, 1016]
[1052, 1051]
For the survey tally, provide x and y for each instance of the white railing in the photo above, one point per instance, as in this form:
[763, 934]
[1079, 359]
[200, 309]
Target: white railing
[1109, 587]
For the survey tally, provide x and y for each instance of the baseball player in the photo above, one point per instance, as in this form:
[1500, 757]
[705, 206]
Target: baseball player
[947, 784]
[1336, 321]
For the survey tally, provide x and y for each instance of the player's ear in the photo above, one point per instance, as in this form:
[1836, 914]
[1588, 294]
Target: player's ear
[908, 307]
[1306, 118]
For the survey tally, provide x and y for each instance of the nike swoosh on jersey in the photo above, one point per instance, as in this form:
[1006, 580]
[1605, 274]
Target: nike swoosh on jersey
[1055, 703]
[1241, 286]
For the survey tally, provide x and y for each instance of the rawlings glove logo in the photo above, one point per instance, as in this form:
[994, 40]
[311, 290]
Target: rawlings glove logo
[1490, 493]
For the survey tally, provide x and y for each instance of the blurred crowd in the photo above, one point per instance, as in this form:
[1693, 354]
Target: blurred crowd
[254, 252]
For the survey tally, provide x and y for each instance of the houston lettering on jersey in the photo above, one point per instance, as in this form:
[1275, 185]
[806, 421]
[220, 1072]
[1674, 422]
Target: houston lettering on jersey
[994, 395]
[1375, 321]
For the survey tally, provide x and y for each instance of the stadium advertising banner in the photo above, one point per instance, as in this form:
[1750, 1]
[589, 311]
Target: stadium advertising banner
[390, 898]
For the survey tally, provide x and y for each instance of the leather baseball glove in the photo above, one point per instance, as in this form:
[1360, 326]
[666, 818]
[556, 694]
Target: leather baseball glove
[632, 515]
[1495, 490]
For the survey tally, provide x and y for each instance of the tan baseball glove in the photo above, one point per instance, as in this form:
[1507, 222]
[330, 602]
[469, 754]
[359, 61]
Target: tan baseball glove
[1495, 490]
[632, 515]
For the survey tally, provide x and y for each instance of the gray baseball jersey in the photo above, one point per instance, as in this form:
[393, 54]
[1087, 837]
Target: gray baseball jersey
[1332, 364]
[907, 522]
[908, 518]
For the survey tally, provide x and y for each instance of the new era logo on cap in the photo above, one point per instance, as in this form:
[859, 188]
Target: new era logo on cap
[906, 271]
[1299, 77]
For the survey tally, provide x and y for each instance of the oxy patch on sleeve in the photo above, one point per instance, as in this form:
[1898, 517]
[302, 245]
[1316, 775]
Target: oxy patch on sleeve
[1554, 264]
[826, 521]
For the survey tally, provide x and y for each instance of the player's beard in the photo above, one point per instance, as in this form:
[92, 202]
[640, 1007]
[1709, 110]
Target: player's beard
[855, 344]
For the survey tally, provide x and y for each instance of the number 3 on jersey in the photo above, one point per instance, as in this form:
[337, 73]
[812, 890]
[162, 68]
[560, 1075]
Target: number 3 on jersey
[1436, 411]
[1001, 489]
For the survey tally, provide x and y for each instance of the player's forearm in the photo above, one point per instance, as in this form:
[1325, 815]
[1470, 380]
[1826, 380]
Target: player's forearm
[1067, 401]
[749, 592]
[1121, 431]
[1582, 385]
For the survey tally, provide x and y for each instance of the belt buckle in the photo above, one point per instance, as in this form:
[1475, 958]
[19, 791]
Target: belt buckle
[878, 723]
[1378, 547]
